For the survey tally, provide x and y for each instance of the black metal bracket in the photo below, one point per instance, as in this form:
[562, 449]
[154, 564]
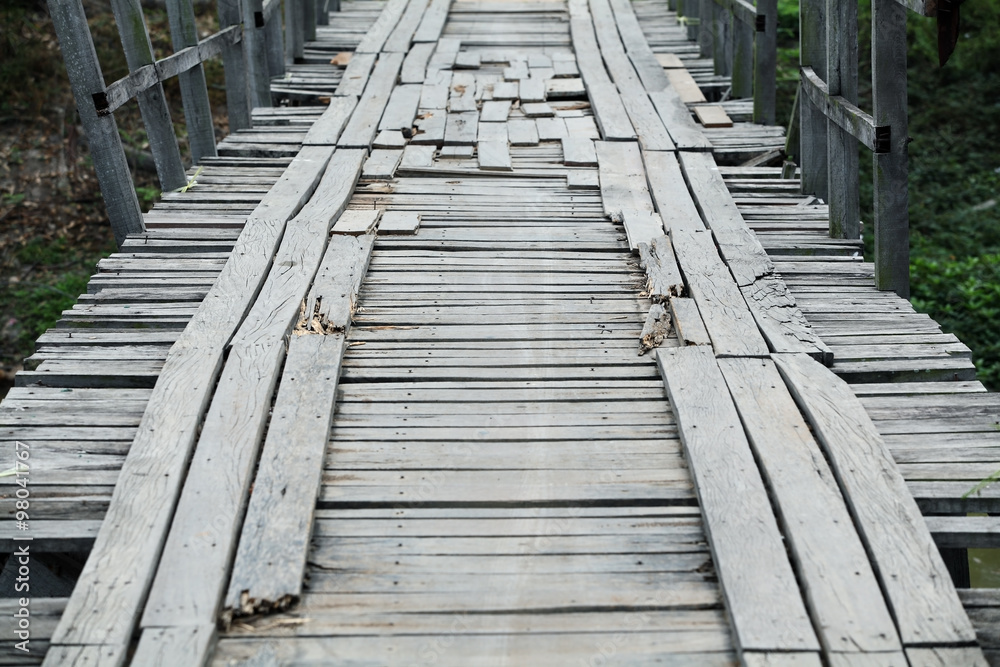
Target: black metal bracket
[101, 103]
[761, 23]
[258, 19]
[883, 138]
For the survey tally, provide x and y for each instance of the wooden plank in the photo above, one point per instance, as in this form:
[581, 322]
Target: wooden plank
[417, 156]
[669, 192]
[917, 584]
[579, 152]
[780, 320]
[398, 40]
[415, 64]
[531, 90]
[492, 148]
[712, 115]
[722, 307]
[117, 576]
[609, 111]
[646, 65]
[656, 329]
[379, 31]
[389, 139]
[624, 194]
[432, 23]
[430, 128]
[462, 92]
[580, 179]
[187, 645]
[649, 128]
[326, 130]
[537, 110]
[505, 90]
[676, 117]
[203, 532]
[268, 571]
[763, 601]
[663, 277]
[495, 111]
[360, 130]
[355, 77]
[461, 128]
[401, 108]
[839, 585]
[399, 222]
[467, 60]
[434, 91]
[382, 164]
[669, 60]
[684, 84]
[357, 221]
[687, 322]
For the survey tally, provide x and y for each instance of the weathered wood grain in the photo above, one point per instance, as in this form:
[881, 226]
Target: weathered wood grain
[918, 587]
[663, 277]
[763, 601]
[624, 193]
[113, 585]
[360, 130]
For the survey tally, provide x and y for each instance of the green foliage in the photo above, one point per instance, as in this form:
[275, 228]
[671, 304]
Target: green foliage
[963, 295]
[39, 305]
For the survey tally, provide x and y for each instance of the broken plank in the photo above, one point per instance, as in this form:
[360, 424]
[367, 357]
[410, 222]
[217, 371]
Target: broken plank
[663, 277]
[461, 128]
[360, 130]
[399, 222]
[357, 221]
[712, 115]
[578, 152]
[382, 164]
[687, 322]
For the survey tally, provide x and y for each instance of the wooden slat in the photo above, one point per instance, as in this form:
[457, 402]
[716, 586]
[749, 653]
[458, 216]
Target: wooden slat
[839, 585]
[763, 601]
[688, 323]
[670, 192]
[398, 40]
[360, 130]
[270, 562]
[677, 119]
[712, 115]
[663, 277]
[433, 21]
[113, 585]
[682, 82]
[710, 284]
[200, 544]
[624, 194]
[401, 108]
[326, 130]
[918, 587]
[377, 34]
[355, 76]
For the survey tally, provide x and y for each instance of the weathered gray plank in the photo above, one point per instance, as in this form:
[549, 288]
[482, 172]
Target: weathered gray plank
[203, 536]
[415, 64]
[401, 108]
[378, 33]
[360, 130]
[433, 21]
[398, 40]
[687, 322]
[838, 582]
[326, 130]
[113, 585]
[763, 601]
[669, 192]
[355, 76]
[919, 589]
[624, 193]
[579, 152]
[357, 221]
[382, 163]
[722, 307]
[399, 222]
[663, 277]
[656, 329]
[461, 128]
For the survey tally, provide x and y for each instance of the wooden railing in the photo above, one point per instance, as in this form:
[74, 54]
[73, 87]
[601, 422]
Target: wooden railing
[832, 125]
[742, 40]
[250, 42]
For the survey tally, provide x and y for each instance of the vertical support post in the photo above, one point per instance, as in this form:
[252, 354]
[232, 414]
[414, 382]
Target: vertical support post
[194, 90]
[842, 148]
[309, 20]
[720, 40]
[892, 222]
[812, 53]
[322, 12]
[254, 54]
[152, 102]
[765, 46]
[273, 42]
[743, 40]
[294, 16]
[87, 80]
[237, 103]
[706, 31]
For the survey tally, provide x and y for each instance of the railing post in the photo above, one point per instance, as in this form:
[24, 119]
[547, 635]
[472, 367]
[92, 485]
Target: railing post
[194, 91]
[765, 46]
[812, 53]
[892, 223]
[294, 30]
[309, 20]
[322, 12]
[273, 42]
[842, 148]
[234, 67]
[706, 31]
[743, 36]
[152, 102]
[255, 54]
[106, 150]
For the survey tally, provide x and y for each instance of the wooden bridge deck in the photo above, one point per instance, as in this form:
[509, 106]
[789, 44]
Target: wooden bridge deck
[478, 467]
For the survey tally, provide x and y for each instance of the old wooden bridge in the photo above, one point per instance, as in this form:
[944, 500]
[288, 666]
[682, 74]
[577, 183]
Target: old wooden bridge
[509, 340]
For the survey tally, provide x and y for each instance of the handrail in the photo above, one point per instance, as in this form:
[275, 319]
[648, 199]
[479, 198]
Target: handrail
[832, 125]
[741, 39]
[251, 45]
